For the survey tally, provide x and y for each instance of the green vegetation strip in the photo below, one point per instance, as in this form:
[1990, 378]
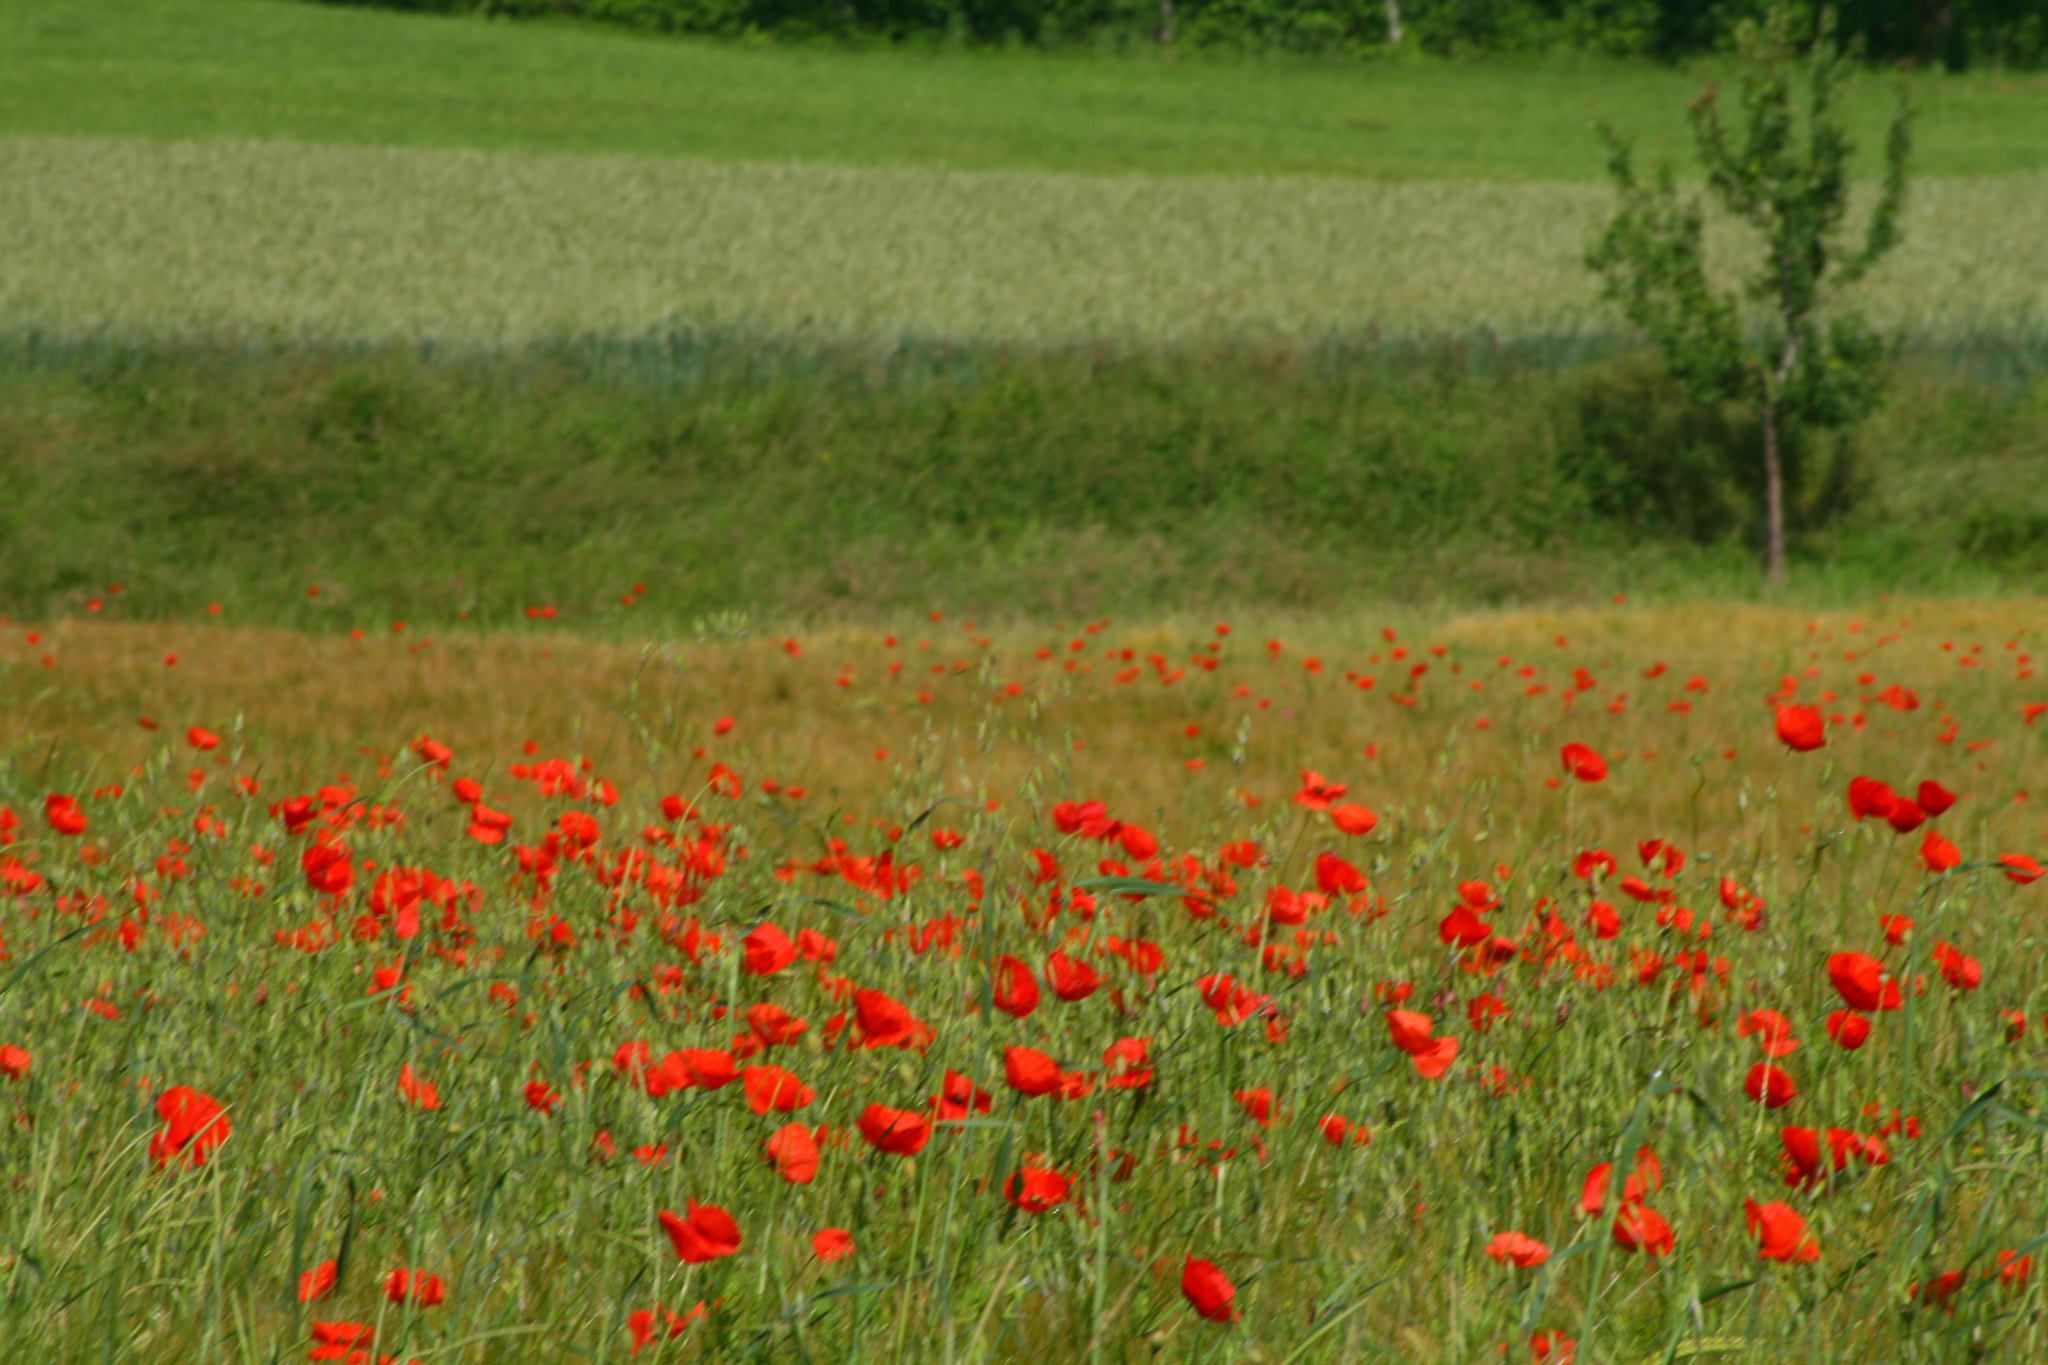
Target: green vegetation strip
[279, 68]
[328, 242]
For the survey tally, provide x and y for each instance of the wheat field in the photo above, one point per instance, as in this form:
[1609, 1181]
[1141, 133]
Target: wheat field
[296, 242]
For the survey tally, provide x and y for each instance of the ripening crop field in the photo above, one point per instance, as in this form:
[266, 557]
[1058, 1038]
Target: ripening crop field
[129, 239]
[1629, 984]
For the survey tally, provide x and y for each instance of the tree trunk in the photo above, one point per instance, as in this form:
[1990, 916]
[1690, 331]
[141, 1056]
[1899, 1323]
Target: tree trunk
[1166, 23]
[1394, 22]
[1774, 498]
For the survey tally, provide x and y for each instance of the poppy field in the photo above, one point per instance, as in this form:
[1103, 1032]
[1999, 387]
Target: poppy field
[1632, 984]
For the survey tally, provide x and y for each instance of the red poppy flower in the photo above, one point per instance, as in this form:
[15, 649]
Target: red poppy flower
[317, 1283]
[1353, 819]
[538, 1096]
[427, 1290]
[1775, 1032]
[1640, 1227]
[1337, 1130]
[1126, 1064]
[2020, 868]
[1036, 1188]
[832, 1244]
[1552, 1348]
[704, 1067]
[1869, 797]
[64, 814]
[1963, 973]
[946, 840]
[1070, 978]
[1802, 727]
[1594, 860]
[348, 1342]
[774, 1025]
[1464, 928]
[1645, 1178]
[768, 950]
[1337, 877]
[795, 1153]
[1030, 1072]
[1523, 1250]
[1780, 1233]
[416, 1089]
[1209, 1290]
[707, 1234]
[1584, 762]
[1905, 816]
[1849, 1029]
[2013, 1269]
[899, 1132]
[14, 1062]
[1137, 842]
[1257, 1105]
[1859, 979]
[1934, 798]
[771, 1087]
[887, 1022]
[1938, 854]
[194, 1124]
[1318, 792]
[1769, 1086]
[202, 739]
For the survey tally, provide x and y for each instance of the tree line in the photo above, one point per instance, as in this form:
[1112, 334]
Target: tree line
[1949, 33]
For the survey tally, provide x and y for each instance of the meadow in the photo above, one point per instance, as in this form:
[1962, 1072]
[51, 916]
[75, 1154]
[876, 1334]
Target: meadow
[1537, 987]
[663, 701]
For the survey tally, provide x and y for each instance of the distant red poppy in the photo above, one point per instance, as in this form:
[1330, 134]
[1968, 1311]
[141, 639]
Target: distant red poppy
[768, 950]
[1337, 1130]
[1871, 798]
[1640, 1227]
[899, 1132]
[771, 1087]
[1860, 980]
[1849, 1029]
[1769, 1086]
[1353, 819]
[417, 1090]
[795, 1153]
[1780, 1233]
[1934, 798]
[14, 1061]
[64, 814]
[1802, 728]
[202, 739]
[1209, 1290]
[1525, 1251]
[1962, 972]
[832, 1244]
[1938, 854]
[1318, 792]
[2020, 868]
[1070, 978]
[427, 1290]
[1584, 762]
[348, 1342]
[194, 1125]
[707, 1234]
[887, 1022]
[1257, 1105]
[539, 1097]
[1037, 1188]
[317, 1283]
[1030, 1072]
[1773, 1030]
[1645, 1177]
[1431, 1057]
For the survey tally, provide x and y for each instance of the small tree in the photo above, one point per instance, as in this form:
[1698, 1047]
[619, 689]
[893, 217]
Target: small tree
[1788, 366]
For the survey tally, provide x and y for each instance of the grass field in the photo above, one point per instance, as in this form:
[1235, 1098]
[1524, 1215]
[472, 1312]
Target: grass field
[281, 69]
[135, 239]
[441, 1077]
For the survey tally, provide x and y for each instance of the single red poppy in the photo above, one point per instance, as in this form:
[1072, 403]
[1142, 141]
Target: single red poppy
[1780, 1232]
[317, 1283]
[1849, 1029]
[426, 1290]
[1869, 797]
[1353, 819]
[1584, 762]
[1209, 1290]
[1934, 798]
[1640, 1227]
[1802, 728]
[1037, 1188]
[348, 1342]
[832, 1244]
[1938, 854]
[899, 1132]
[768, 950]
[1030, 1072]
[1070, 978]
[2020, 868]
[708, 1233]
[771, 1087]
[1524, 1250]
[1769, 1086]
[194, 1125]
[794, 1151]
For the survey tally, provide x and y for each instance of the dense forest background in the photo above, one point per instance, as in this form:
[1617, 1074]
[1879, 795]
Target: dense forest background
[1951, 33]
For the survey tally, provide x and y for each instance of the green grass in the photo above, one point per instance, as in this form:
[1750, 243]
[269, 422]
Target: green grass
[821, 484]
[135, 238]
[275, 69]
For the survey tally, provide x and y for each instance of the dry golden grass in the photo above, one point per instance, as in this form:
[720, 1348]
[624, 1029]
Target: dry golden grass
[1474, 754]
[299, 241]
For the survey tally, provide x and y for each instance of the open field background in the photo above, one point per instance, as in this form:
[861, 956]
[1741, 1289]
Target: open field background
[287, 242]
[284, 69]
